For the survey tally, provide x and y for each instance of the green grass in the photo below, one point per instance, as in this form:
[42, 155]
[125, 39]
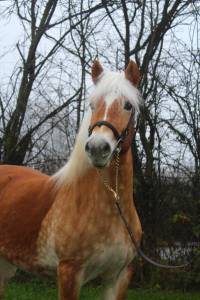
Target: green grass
[35, 291]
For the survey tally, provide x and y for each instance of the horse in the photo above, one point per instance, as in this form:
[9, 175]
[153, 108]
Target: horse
[67, 224]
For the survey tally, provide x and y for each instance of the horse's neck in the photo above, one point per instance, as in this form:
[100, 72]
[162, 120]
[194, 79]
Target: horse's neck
[92, 183]
[79, 175]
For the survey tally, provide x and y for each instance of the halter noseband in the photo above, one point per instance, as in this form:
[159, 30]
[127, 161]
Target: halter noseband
[120, 137]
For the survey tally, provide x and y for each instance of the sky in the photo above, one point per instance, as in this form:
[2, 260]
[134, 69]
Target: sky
[11, 32]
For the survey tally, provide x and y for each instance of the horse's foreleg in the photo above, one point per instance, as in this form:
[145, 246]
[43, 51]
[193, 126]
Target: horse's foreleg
[2, 284]
[7, 271]
[69, 279]
[117, 291]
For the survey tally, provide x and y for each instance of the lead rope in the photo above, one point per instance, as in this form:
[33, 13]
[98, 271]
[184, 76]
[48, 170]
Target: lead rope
[115, 192]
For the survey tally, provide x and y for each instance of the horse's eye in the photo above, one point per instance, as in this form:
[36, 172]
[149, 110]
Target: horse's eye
[128, 105]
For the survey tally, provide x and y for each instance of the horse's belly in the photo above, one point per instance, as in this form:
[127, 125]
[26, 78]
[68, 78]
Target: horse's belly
[107, 261]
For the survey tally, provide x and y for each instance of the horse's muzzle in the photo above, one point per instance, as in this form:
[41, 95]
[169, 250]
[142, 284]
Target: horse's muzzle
[98, 152]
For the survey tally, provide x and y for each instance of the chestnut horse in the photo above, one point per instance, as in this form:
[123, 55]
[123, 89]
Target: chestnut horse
[67, 224]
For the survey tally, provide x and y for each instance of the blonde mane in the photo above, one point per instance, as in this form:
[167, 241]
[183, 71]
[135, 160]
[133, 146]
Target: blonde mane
[112, 85]
[78, 162]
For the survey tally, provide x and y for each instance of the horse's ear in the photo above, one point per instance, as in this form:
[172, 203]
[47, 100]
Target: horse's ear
[97, 70]
[132, 73]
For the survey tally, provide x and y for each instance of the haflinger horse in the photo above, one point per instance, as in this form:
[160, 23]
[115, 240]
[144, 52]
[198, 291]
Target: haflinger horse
[68, 224]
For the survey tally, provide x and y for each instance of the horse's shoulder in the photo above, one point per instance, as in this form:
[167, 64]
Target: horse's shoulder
[26, 196]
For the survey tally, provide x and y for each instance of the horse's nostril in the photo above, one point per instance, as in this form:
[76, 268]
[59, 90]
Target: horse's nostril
[87, 147]
[105, 148]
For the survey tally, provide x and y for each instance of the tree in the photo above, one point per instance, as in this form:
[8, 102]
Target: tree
[39, 21]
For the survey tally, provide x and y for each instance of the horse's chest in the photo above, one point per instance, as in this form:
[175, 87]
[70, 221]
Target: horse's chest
[108, 259]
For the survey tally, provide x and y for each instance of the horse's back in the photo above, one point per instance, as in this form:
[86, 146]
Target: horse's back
[17, 182]
[9, 173]
[26, 196]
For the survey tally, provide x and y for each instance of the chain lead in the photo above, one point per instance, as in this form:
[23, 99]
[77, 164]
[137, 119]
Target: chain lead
[115, 193]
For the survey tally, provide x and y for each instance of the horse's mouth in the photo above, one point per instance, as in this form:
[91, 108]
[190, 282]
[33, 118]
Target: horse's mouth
[100, 163]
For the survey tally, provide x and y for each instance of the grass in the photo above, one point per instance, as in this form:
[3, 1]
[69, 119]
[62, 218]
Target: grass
[35, 291]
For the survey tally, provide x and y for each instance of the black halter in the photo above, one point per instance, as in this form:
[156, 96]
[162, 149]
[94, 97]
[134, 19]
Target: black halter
[120, 137]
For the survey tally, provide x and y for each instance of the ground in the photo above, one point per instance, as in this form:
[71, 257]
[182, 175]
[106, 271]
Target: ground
[34, 290]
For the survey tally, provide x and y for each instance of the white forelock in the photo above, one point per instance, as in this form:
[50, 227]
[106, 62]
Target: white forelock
[113, 85]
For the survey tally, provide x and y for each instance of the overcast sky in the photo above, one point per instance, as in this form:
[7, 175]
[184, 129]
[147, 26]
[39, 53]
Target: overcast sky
[11, 32]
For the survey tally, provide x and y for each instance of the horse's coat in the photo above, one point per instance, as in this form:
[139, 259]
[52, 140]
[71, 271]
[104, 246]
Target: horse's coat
[68, 223]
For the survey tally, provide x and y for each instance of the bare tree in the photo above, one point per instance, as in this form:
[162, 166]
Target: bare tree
[38, 20]
[184, 119]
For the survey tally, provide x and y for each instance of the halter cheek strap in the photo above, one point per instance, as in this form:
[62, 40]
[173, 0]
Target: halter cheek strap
[119, 137]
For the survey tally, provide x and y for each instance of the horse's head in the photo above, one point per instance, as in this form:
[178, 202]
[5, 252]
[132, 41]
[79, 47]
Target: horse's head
[114, 104]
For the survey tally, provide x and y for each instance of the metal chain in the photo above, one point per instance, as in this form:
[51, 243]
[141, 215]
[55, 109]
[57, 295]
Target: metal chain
[114, 191]
[117, 173]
